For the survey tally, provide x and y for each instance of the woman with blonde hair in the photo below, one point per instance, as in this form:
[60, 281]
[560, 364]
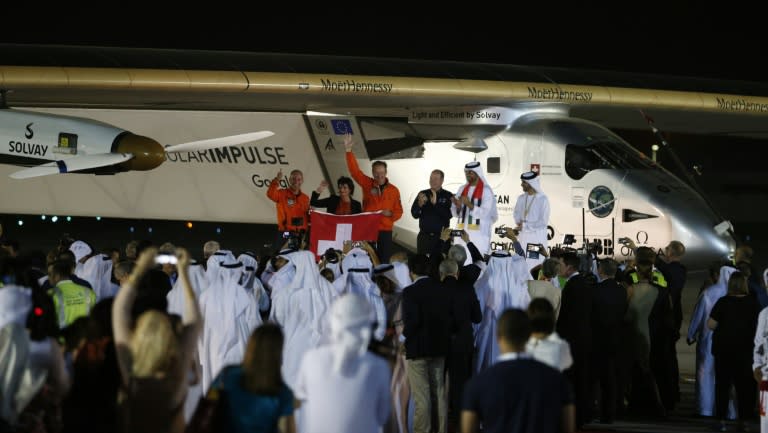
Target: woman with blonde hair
[257, 398]
[154, 357]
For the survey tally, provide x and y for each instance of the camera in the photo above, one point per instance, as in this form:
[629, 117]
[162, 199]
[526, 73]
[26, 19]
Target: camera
[456, 233]
[331, 256]
[166, 259]
[293, 239]
[357, 244]
[501, 231]
[532, 251]
[624, 240]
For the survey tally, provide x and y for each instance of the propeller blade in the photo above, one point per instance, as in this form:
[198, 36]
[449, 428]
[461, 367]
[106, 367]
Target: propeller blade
[76, 163]
[213, 143]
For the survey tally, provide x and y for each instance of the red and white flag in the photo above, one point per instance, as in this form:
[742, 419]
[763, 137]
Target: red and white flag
[330, 231]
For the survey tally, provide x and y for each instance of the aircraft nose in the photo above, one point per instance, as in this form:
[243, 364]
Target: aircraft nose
[147, 153]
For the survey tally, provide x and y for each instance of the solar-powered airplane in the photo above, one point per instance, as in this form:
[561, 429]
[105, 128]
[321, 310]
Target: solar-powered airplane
[74, 116]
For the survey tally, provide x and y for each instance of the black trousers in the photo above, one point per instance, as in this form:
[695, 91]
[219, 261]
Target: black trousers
[425, 241]
[459, 365]
[606, 374]
[736, 371]
[384, 246]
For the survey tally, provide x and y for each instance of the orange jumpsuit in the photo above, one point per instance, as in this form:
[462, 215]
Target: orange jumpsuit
[376, 197]
[290, 207]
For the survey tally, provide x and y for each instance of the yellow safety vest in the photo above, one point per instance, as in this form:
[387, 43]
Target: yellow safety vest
[657, 278]
[71, 301]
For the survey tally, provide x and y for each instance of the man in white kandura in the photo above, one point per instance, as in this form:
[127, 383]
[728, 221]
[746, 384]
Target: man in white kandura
[532, 216]
[475, 206]
[342, 386]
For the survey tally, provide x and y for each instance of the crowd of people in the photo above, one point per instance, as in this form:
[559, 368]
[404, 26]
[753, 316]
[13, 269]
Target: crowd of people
[365, 339]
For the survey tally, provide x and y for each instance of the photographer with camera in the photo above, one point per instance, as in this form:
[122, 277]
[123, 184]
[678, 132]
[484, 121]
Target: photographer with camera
[292, 205]
[511, 234]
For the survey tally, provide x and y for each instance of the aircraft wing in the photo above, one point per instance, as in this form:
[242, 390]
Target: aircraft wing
[368, 87]
[74, 164]
[211, 143]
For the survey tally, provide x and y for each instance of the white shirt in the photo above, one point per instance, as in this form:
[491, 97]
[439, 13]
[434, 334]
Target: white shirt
[552, 350]
[355, 400]
[511, 356]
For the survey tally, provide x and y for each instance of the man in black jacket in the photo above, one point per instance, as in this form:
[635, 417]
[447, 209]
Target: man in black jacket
[574, 326]
[432, 207]
[610, 305]
[428, 324]
[466, 309]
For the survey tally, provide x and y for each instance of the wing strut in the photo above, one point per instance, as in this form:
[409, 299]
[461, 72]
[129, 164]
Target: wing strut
[691, 180]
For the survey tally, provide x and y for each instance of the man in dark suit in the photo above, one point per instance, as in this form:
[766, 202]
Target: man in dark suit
[444, 247]
[574, 326]
[432, 207]
[608, 309]
[428, 323]
[466, 309]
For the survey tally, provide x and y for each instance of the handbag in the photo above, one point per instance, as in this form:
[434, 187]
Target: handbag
[210, 415]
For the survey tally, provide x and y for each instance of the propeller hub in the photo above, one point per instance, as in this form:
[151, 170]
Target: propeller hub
[147, 153]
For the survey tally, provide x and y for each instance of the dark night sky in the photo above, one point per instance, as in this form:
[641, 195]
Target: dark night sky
[632, 37]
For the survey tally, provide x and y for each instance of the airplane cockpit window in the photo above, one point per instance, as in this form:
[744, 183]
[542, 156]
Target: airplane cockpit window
[580, 159]
[67, 144]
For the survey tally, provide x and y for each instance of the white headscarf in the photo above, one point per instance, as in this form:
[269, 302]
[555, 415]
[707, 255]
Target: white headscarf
[351, 318]
[532, 179]
[249, 273]
[387, 270]
[504, 285]
[15, 303]
[478, 169]
[197, 280]
[97, 270]
[214, 262]
[403, 274]
[765, 277]
[80, 249]
[357, 278]
[725, 275]
[357, 260]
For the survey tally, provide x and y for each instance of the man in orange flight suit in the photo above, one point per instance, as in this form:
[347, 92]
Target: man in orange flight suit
[292, 205]
[378, 195]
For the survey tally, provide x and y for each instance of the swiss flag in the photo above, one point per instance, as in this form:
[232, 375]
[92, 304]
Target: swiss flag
[330, 231]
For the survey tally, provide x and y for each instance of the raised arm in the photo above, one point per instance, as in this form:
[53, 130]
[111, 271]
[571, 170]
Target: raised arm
[315, 200]
[354, 169]
[274, 187]
[121, 312]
